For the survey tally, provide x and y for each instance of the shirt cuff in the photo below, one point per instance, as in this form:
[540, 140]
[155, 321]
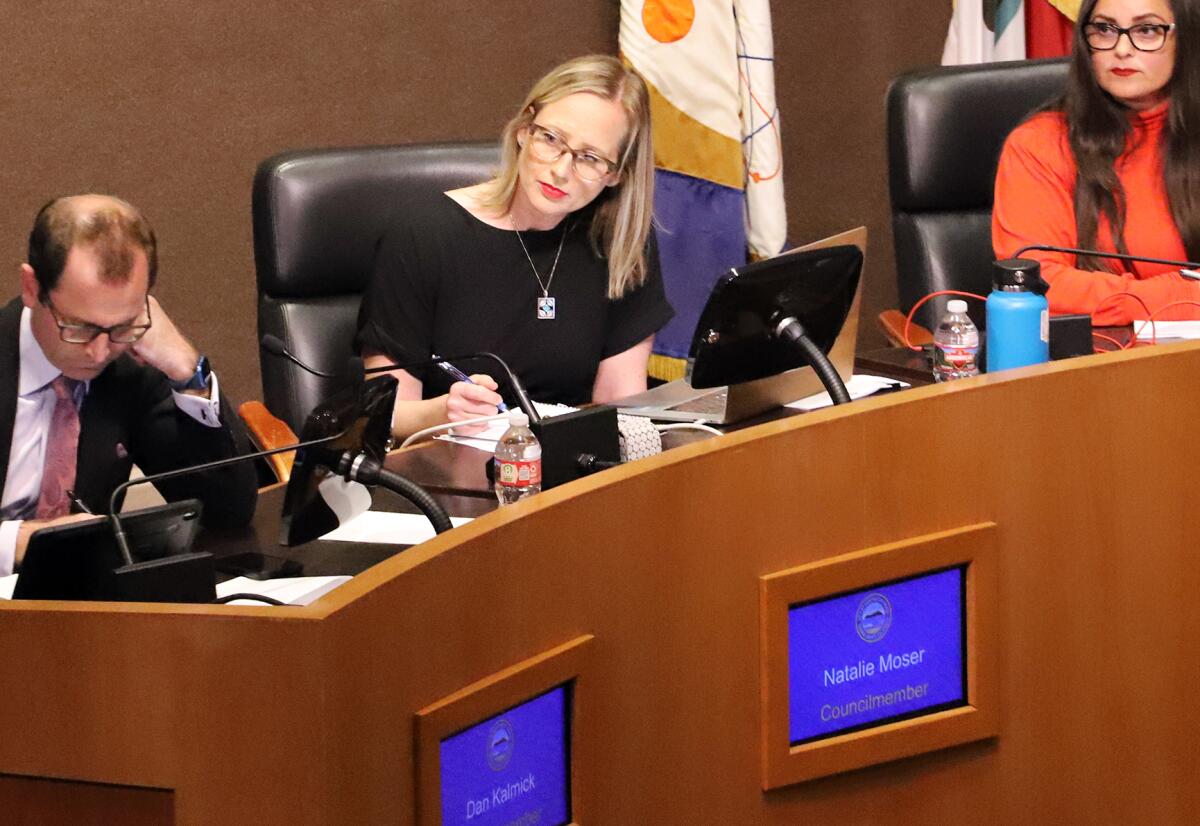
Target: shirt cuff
[8, 544]
[206, 411]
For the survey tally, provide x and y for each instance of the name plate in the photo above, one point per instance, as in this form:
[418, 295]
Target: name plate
[510, 750]
[879, 654]
[885, 653]
[511, 768]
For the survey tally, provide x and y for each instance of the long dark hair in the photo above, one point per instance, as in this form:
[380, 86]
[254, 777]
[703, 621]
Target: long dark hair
[1098, 128]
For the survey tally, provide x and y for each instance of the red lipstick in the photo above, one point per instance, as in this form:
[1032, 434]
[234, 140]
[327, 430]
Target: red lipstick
[551, 192]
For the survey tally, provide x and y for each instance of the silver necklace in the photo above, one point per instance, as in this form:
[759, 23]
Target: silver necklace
[545, 304]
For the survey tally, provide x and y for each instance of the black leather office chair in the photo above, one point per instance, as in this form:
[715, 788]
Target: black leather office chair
[318, 215]
[946, 127]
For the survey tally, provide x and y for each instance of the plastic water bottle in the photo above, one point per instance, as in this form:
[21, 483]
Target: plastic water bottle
[1018, 316]
[956, 344]
[518, 461]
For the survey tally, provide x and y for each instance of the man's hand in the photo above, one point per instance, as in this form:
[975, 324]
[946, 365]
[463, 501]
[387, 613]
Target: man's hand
[165, 347]
[30, 525]
[470, 401]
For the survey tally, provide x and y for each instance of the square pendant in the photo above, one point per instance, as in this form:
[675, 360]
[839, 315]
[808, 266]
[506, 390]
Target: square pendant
[545, 307]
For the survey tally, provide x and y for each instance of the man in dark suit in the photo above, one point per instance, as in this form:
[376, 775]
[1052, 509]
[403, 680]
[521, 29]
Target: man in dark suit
[94, 377]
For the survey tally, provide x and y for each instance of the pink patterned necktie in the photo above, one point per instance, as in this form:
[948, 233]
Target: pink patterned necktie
[58, 475]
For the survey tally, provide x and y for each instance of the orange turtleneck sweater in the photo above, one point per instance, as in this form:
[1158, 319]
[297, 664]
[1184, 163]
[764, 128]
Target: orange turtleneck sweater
[1035, 189]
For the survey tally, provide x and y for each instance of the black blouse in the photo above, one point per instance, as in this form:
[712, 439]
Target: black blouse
[444, 282]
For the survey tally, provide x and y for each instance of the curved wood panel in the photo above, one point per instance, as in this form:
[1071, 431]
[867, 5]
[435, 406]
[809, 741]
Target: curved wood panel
[306, 716]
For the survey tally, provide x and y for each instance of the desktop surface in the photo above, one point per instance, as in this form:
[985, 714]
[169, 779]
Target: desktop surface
[456, 476]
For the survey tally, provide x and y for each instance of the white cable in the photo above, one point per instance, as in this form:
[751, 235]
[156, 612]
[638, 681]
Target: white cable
[689, 426]
[421, 434]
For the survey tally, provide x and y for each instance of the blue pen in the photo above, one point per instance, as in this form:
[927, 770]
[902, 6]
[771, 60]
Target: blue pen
[461, 376]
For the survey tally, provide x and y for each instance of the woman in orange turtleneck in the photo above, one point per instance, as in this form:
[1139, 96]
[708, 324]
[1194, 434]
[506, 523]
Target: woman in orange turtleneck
[1113, 165]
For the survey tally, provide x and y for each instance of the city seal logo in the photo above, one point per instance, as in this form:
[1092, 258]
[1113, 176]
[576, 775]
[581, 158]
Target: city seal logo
[873, 618]
[500, 745]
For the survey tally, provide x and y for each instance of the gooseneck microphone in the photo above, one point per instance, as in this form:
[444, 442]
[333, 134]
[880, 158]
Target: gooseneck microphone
[272, 344]
[275, 346]
[176, 575]
[1183, 265]
[115, 519]
[790, 329]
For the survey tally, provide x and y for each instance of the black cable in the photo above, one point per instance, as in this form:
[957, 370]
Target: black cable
[370, 472]
[418, 496]
[791, 330]
[115, 519]
[255, 597]
[588, 463]
[1190, 265]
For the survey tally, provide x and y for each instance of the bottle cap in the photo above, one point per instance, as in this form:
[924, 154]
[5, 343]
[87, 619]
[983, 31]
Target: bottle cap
[956, 305]
[518, 418]
[1023, 273]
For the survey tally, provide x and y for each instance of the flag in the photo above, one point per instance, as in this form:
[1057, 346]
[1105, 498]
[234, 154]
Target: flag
[718, 178]
[1049, 26]
[985, 30]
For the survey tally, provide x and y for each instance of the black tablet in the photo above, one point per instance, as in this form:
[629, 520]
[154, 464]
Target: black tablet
[76, 561]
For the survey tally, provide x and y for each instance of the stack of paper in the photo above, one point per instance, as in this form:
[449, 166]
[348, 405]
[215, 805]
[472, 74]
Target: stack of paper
[857, 387]
[1166, 329]
[296, 590]
[389, 528]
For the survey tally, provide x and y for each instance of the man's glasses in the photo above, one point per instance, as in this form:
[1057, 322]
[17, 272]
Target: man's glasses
[1145, 37]
[83, 333]
[548, 146]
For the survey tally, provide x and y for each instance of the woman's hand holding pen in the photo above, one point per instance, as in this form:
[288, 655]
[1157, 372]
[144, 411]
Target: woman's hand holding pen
[470, 400]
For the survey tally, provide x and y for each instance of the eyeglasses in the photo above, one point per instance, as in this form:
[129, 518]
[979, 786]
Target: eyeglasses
[87, 333]
[1145, 37]
[548, 146]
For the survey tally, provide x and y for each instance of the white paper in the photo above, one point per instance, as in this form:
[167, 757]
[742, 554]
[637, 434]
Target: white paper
[389, 528]
[1166, 329]
[7, 585]
[857, 387]
[486, 439]
[295, 590]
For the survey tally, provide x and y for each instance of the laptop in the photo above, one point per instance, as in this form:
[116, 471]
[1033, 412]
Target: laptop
[736, 368]
[77, 560]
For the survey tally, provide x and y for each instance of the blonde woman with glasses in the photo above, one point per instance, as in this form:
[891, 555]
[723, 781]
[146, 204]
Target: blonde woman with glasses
[551, 264]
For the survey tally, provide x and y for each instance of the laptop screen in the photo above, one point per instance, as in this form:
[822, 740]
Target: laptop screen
[734, 340]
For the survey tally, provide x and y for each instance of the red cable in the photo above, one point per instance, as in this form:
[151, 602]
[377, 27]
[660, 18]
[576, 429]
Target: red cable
[1109, 339]
[1149, 316]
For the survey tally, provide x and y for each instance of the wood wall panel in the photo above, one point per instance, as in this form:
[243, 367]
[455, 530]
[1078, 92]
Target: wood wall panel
[172, 105]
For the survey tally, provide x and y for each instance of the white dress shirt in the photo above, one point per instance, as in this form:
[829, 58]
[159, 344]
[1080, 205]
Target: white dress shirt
[31, 432]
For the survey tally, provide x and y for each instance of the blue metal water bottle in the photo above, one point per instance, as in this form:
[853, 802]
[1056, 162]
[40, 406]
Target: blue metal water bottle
[1018, 315]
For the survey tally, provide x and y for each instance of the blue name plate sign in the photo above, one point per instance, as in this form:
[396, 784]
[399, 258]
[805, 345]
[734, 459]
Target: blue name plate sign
[513, 768]
[885, 653]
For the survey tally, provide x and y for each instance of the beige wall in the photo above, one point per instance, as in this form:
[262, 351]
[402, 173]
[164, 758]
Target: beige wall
[172, 104]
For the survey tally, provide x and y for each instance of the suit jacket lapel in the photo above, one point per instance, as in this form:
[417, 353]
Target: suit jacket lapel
[10, 372]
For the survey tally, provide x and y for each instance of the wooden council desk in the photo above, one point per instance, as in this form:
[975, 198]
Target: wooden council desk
[196, 714]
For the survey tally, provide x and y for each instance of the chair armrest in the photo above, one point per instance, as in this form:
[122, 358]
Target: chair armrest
[267, 433]
[891, 322]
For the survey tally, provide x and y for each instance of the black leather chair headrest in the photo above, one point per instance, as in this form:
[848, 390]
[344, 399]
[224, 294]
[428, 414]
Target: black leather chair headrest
[319, 213]
[946, 127]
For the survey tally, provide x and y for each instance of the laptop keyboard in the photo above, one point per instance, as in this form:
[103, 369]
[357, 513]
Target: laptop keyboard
[711, 403]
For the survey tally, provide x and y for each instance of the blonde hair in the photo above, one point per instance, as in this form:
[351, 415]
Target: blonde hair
[621, 226]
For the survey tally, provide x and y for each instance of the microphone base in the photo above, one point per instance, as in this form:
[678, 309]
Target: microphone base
[564, 439]
[180, 578]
